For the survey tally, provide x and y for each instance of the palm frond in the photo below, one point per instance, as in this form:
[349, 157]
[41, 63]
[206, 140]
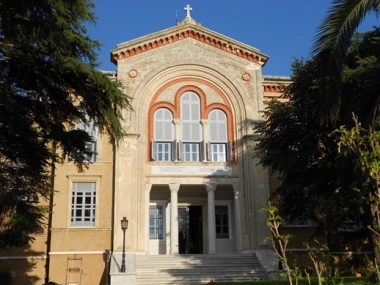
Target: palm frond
[365, 104]
[329, 51]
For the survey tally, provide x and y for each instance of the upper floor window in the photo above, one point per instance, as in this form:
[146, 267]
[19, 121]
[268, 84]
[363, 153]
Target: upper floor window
[163, 145]
[186, 138]
[92, 130]
[218, 140]
[83, 204]
[191, 128]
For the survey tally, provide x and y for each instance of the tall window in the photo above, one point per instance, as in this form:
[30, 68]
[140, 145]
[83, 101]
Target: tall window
[191, 128]
[163, 146]
[218, 136]
[221, 222]
[83, 204]
[92, 130]
[156, 218]
[185, 140]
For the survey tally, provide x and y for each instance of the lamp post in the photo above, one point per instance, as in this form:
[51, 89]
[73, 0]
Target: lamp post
[124, 227]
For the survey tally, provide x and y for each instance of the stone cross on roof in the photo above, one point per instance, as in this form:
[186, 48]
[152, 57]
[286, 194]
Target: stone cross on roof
[188, 9]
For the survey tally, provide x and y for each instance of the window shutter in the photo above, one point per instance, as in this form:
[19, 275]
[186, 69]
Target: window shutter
[159, 131]
[213, 132]
[186, 131]
[202, 151]
[218, 126]
[153, 150]
[229, 151]
[208, 151]
[185, 111]
[196, 132]
[168, 130]
[163, 125]
[180, 150]
[195, 115]
[174, 150]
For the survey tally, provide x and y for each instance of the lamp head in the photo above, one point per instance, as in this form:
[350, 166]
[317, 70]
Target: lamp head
[124, 223]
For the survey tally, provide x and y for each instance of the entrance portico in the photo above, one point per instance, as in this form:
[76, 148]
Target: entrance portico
[193, 218]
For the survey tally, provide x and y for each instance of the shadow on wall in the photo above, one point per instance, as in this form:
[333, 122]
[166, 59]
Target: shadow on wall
[27, 271]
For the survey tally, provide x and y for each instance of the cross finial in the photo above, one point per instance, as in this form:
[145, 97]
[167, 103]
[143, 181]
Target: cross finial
[188, 9]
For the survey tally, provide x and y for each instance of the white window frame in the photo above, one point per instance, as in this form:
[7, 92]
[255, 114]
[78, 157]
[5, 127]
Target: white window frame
[218, 137]
[191, 154]
[163, 151]
[166, 139]
[157, 235]
[87, 179]
[217, 155]
[87, 209]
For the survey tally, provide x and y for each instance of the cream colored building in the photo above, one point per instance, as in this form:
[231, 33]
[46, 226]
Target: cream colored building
[184, 169]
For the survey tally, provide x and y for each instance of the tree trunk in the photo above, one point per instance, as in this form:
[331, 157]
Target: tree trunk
[375, 241]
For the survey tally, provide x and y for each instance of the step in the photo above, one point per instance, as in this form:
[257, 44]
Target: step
[197, 269]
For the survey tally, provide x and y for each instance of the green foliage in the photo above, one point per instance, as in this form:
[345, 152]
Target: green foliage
[48, 83]
[301, 151]
[329, 50]
[279, 241]
[317, 182]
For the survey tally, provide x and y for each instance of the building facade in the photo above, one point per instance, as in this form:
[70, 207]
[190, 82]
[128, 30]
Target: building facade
[183, 175]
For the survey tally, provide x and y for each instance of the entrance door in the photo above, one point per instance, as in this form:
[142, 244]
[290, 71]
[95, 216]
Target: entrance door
[190, 230]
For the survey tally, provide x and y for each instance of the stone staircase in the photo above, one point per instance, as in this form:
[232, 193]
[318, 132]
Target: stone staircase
[197, 269]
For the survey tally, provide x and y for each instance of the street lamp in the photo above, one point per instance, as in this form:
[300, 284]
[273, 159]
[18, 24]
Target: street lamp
[124, 227]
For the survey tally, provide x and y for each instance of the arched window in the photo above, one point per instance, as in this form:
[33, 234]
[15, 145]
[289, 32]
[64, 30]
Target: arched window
[218, 138]
[191, 128]
[163, 145]
[186, 134]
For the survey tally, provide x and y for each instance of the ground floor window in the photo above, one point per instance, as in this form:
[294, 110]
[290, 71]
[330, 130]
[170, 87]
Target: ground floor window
[156, 220]
[83, 204]
[221, 222]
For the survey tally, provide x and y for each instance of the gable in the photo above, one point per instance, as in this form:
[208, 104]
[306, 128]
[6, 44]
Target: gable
[185, 30]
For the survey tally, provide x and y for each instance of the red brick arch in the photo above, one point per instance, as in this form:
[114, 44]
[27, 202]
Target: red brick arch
[205, 109]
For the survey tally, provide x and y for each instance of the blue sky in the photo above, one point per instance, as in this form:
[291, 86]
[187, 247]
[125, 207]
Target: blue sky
[281, 29]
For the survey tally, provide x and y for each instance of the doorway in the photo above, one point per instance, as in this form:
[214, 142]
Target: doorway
[190, 237]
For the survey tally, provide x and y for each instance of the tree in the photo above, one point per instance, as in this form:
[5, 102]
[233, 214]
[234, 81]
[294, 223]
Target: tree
[301, 151]
[364, 146]
[329, 50]
[316, 181]
[48, 83]
[278, 241]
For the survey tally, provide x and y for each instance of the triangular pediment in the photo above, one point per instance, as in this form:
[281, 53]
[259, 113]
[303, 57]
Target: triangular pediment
[188, 28]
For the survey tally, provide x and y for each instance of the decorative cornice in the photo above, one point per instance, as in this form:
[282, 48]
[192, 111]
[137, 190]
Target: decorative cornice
[203, 35]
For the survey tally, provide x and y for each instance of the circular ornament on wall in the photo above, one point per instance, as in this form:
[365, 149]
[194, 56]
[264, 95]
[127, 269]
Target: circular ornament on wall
[125, 147]
[133, 73]
[246, 76]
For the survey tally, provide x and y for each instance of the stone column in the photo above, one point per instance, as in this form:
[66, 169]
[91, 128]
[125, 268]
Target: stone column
[148, 187]
[237, 217]
[211, 218]
[174, 218]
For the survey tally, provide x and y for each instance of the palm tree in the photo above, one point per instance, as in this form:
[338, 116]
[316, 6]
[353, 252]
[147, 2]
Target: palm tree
[329, 51]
